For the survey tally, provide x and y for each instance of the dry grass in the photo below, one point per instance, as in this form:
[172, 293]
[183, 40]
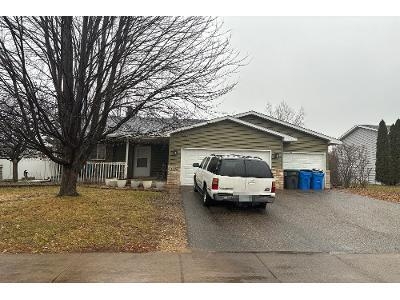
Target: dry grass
[35, 220]
[381, 192]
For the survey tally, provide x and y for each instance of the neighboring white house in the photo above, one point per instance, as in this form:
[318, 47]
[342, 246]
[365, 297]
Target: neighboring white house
[364, 135]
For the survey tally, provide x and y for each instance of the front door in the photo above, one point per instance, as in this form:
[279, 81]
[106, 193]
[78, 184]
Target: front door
[142, 157]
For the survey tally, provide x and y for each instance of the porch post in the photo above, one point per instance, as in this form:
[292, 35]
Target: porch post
[126, 158]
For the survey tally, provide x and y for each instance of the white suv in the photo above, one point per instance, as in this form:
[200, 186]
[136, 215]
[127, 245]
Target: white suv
[234, 178]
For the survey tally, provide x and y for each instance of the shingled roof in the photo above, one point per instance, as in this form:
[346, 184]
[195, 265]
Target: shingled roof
[151, 127]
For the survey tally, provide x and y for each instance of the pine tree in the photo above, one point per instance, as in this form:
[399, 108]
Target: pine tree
[394, 140]
[383, 158]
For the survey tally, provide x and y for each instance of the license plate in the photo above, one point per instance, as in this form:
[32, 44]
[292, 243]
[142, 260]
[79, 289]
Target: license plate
[244, 198]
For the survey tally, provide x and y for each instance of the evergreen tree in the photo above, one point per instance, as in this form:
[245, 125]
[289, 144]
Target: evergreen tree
[383, 157]
[392, 137]
[394, 140]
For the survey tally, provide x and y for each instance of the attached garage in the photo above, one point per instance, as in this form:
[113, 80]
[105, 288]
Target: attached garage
[299, 160]
[220, 136]
[281, 144]
[196, 155]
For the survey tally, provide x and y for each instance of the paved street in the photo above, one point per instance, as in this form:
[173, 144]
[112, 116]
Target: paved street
[200, 267]
[297, 221]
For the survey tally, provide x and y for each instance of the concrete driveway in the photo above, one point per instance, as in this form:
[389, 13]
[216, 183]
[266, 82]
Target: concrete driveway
[329, 221]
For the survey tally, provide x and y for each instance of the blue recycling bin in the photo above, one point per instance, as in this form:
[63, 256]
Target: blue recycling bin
[305, 179]
[317, 180]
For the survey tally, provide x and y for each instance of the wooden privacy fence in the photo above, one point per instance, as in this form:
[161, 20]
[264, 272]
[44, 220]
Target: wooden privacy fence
[93, 172]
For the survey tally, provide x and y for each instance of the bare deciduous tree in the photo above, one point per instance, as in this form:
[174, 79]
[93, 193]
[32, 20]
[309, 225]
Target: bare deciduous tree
[284, 112]
[349, 166]
[72, 76]
[12, 146]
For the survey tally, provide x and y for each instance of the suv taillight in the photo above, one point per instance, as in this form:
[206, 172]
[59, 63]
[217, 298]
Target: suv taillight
[214, 185]
[273, 187]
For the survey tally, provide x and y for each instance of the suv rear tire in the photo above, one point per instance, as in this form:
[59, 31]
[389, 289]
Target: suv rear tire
[195, 185]
[206, 197]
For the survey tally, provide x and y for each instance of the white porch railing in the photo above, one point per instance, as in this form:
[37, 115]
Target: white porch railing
[93, 172]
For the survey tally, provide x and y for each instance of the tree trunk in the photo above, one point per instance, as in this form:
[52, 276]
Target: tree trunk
[69, 179]
[15, 170]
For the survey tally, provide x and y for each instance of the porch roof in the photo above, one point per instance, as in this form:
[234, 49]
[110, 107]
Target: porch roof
[150, 128]
[138, 140]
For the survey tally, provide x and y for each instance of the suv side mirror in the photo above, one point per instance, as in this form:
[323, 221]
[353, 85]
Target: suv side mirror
[196, 165]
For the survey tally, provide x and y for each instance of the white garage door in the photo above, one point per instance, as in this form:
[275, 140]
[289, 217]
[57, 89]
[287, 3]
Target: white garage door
[292, 160]
[196, 155]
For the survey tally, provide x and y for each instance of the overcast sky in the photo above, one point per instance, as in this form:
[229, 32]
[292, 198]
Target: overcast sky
[342, 70]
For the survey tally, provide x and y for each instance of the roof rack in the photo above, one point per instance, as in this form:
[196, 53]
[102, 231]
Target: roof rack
[236, 155]
[256, 157]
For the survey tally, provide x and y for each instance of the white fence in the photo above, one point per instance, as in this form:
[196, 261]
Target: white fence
[38, 168]
[92, 172]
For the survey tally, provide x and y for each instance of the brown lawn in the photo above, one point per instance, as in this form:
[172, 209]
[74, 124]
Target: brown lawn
[381, 192]
[35, 220]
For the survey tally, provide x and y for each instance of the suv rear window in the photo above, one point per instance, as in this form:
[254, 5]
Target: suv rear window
[244, 168]
[232, 167]
[257, 169]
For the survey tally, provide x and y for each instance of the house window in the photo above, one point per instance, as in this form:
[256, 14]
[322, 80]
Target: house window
[101, 152]
[141, 162]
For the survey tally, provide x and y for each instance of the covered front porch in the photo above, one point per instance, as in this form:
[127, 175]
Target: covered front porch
[141, 157]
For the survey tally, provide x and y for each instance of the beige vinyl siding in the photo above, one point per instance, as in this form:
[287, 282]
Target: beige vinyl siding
[305, 142]
[224, 134]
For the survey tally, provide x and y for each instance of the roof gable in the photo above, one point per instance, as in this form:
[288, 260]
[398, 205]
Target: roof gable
[331, 140]
[285, 137]
[351, 130]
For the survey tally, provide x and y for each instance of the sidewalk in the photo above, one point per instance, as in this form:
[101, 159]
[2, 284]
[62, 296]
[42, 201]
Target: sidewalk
[200, 267]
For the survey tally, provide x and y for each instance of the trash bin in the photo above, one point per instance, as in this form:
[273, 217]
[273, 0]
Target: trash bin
[305, 179]
[317, 180]
[291, 179]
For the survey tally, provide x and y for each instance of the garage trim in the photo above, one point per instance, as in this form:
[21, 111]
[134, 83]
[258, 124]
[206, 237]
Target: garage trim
[230, 149]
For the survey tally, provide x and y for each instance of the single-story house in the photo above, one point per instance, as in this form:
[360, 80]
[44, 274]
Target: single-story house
[149, 151]
[364, 136]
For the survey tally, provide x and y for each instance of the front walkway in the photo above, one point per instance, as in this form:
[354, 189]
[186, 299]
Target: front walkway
[200, 267]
